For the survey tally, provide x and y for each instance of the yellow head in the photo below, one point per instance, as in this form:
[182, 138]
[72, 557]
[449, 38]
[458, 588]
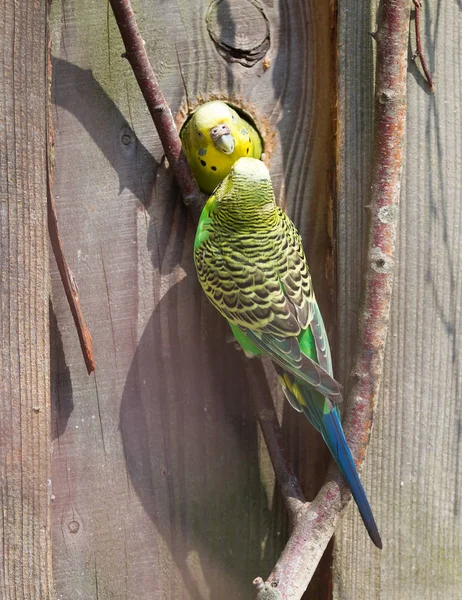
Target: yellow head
[250, 169]
[246, 196]
[213, 139]
[214, 122]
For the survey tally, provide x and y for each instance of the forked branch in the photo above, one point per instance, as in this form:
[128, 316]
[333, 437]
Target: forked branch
[313, 531]
[314, 524]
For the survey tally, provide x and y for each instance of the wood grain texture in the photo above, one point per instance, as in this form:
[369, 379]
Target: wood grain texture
[413, 470]
[162, 485]
[25, 442]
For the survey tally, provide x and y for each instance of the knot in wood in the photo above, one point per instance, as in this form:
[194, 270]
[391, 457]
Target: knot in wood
[266, 591]
[386, 96]
[381, 262]
[127, 139]
[239, 30]
[73, 526]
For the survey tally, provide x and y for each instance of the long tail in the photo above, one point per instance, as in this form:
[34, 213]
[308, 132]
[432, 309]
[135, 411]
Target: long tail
[333, 435]
[327, 422]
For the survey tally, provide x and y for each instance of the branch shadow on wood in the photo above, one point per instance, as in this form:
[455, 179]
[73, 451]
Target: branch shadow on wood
[107, 126]
[62, 403]
[110, 131]
[445, 297]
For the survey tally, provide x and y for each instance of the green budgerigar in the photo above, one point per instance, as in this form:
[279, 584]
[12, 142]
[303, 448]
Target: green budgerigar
[213, 138]
[251, 265]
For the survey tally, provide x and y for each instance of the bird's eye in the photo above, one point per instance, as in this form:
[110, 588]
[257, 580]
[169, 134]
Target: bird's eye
[199, 133]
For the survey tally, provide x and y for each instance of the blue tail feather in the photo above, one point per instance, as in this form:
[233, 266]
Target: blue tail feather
[327, 422]
[333, 435]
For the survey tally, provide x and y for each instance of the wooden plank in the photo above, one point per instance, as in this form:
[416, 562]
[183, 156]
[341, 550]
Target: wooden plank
[25, 442]
[413, 469]
[162, 485]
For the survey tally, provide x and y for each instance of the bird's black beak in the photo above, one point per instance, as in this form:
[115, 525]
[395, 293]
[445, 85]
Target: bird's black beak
[222, 138]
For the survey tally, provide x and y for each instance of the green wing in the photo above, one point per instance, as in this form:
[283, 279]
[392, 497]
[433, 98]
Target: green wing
[291, 359]
[260, 282]
[321, 340]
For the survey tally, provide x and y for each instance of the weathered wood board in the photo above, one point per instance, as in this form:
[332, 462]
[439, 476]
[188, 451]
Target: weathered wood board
[25, 536]
[413, 471]
[162, 486]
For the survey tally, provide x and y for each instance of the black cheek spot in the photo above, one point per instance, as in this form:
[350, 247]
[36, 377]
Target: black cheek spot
[213, 168]
[247, 150]
[203, 163]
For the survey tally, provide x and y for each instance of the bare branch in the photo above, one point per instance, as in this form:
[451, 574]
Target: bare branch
[419, 52]
[157, 105]
[314, 529]
[67, 278]
[69, 284]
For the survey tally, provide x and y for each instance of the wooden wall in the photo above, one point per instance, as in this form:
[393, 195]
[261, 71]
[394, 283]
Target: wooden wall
[160, 486]
[25, 544]
[413, 471]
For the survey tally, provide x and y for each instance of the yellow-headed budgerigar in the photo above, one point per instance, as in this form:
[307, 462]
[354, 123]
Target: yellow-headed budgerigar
[251, 264]
[213, 139]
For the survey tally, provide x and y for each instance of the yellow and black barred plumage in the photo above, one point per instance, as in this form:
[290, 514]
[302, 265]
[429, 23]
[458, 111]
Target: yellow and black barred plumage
[251, 265]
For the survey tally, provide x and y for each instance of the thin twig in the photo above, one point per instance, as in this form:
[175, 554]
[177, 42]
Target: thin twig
[67, 278]
[312, 533]
[419, 53]
[272, 433]
[157, 105]
[314, 524]
[70, 286]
